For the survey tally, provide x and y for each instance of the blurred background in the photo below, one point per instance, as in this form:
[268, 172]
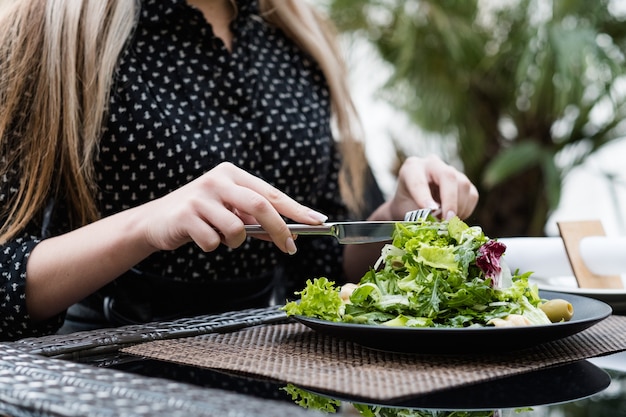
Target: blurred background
[527, 97]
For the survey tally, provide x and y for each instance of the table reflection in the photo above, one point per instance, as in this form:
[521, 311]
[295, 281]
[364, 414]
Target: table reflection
[568, 390]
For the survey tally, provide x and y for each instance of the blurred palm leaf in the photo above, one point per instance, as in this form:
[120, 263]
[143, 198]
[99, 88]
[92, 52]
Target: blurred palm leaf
[511, 162]
[519, 84]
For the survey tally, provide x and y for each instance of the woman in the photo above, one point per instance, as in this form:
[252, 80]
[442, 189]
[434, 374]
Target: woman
[138, 137]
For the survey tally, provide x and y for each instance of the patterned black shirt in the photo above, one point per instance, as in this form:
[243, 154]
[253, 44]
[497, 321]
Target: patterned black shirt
[183, 103]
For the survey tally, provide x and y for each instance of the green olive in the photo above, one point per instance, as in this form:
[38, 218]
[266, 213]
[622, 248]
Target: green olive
[558, 310]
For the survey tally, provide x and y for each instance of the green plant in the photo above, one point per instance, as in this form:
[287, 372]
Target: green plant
[528, 89]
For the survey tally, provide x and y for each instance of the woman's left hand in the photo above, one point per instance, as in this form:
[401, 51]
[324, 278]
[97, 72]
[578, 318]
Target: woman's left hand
[431, 183]
[422, 183]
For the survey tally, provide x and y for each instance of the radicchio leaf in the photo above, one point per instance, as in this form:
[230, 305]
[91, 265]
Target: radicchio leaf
[488, 260]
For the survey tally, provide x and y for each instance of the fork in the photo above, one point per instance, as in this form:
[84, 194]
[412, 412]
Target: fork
[416, 215]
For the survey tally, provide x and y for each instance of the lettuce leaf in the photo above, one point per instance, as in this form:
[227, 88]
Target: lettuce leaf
[320, 298]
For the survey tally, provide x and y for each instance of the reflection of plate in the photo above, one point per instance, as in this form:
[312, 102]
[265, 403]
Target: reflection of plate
[616, 298]
[554, 385]
[587, 312]
[613, 362]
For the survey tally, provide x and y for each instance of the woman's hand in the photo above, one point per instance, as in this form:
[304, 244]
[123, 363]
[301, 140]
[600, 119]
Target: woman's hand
[208, 211]
[214, 208]
[422, 183]
[431, 183]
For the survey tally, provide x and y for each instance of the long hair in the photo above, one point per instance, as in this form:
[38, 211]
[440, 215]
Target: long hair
[57, 62]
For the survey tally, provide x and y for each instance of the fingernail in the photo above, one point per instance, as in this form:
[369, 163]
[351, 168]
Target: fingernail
[317, 216]
[291, 246]
[433, 205]
[450, 214]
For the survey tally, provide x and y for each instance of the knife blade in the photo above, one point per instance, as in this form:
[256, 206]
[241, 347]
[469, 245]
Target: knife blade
[347, 233]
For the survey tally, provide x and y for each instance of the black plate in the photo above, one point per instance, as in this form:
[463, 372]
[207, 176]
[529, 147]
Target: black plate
[587, 312]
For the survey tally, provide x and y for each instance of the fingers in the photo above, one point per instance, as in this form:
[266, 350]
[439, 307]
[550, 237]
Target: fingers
[214, 208]
[231, 196]
[209, 238]
[431, 183]
[258, 206]
[415, 181]
[455, 192]
[469, 203]
[279, 202]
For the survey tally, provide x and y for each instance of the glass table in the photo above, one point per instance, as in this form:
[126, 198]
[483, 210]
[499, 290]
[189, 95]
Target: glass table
[89, 374]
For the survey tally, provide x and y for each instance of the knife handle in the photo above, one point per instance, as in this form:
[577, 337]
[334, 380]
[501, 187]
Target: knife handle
[295, 228]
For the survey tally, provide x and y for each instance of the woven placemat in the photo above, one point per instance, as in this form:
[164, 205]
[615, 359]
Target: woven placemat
[295, 354]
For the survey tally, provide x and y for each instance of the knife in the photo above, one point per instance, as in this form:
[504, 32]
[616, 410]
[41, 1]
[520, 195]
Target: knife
[345, 232]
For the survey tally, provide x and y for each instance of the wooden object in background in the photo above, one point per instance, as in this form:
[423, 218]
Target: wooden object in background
[571, 233]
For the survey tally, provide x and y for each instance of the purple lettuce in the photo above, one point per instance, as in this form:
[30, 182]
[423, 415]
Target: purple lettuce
[488, 260]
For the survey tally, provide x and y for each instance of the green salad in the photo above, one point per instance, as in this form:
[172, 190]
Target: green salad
[433, 274]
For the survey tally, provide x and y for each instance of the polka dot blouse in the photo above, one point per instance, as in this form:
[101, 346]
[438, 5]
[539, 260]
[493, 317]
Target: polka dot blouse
[182, 103]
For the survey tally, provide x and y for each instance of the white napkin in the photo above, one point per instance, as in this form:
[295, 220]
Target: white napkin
[604, 255]
[546, 256]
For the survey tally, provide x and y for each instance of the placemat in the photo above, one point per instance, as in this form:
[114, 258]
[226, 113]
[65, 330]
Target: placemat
[292, 353]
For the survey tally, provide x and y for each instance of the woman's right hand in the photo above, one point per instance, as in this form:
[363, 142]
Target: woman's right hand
[213, 209]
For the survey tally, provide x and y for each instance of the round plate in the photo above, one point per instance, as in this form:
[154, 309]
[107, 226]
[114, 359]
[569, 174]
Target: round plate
[587, 312]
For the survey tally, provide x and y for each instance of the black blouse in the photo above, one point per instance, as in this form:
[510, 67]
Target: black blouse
[182, 103]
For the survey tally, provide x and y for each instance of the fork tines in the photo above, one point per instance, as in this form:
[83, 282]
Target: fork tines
[416, 215]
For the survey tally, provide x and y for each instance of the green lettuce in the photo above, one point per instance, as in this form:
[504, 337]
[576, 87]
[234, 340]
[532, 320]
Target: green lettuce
[433, 274]
[320, 299]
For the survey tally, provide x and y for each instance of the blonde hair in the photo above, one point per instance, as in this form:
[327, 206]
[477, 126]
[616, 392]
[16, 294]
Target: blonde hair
[57, 62]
